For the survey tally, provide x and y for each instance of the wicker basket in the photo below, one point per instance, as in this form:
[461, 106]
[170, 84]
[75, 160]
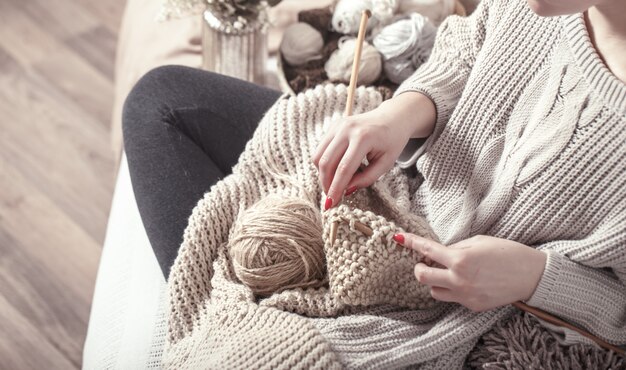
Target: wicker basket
[284, 70]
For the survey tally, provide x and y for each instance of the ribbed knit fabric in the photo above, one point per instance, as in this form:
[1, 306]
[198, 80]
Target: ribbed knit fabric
[528, 146]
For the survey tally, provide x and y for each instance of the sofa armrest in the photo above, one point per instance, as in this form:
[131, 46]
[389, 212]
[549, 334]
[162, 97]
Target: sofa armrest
[127, 327]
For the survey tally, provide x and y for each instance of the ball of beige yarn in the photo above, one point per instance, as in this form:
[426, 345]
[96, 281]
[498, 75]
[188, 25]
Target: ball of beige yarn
[301, 44]
[277, 244]
[339, 65]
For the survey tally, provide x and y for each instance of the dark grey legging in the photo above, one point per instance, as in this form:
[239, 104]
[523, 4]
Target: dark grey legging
[184, 130]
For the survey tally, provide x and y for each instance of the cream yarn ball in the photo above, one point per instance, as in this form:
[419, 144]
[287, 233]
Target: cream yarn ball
[301, 44]
[339, 65]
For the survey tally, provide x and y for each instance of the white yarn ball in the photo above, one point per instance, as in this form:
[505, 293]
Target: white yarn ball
[435, 10]
[405, 44]
[339, 65]
[301, 44]
[347, 14]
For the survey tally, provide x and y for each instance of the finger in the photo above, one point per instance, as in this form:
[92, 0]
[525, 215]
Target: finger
[327, 138]
[442, 294]
[371, 173]
[346, 168]
[428, 248]
[321, 147]
[433, 276]
[330, 159]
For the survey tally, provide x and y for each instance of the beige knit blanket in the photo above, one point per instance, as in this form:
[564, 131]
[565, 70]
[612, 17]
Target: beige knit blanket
[217, 322]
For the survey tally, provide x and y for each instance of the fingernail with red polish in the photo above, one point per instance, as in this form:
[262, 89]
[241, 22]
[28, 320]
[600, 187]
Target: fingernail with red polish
[329, 203]
[351, 190]
[399, 238]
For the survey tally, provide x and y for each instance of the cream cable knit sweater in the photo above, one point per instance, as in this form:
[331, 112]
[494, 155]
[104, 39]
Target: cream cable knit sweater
[528, 146]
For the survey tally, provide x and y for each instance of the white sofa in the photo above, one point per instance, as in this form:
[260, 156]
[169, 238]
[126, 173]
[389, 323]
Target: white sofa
[127, 323]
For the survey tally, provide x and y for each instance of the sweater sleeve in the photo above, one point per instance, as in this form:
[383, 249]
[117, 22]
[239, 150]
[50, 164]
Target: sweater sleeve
[584, 282]
[443, 77]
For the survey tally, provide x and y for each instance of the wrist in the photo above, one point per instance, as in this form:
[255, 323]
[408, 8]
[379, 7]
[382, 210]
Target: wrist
[537, 264]
[413, 112]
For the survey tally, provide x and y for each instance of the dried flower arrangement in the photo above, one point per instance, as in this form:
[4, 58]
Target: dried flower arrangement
[236, 12]
[248, 9]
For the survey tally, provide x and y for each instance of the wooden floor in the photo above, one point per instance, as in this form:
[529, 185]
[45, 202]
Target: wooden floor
[56, 173]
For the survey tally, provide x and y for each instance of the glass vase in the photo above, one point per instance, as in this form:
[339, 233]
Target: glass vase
[235, 49]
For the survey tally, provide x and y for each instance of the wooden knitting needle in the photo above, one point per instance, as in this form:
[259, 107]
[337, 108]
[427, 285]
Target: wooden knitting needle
[354, 76]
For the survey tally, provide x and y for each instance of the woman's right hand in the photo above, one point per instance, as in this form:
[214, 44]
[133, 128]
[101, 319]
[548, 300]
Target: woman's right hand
[379, 135]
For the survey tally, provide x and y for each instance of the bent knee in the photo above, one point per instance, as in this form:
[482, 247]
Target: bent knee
[150, 99]
[151, 90]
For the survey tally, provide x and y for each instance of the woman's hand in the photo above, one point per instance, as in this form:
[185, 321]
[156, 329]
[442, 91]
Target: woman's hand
[379, 135]
[481, 272]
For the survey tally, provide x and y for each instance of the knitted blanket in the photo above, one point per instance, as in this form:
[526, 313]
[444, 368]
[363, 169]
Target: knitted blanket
[371, 314]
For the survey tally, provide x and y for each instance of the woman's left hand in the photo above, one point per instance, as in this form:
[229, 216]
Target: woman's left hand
[481, 272]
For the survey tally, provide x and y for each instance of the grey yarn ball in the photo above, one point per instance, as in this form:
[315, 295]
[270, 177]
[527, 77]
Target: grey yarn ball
[405, 45]
[397, 69]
